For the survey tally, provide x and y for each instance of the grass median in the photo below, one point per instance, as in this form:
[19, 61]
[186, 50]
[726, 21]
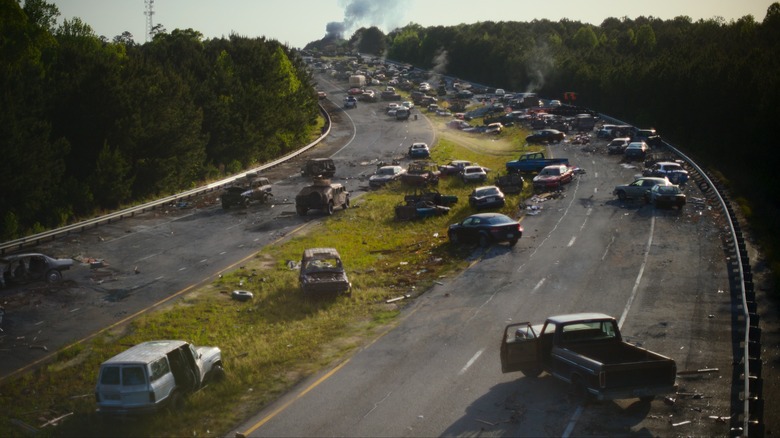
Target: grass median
[278, 338]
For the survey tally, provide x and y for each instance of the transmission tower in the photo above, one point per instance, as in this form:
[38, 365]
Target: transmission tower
[149, 12]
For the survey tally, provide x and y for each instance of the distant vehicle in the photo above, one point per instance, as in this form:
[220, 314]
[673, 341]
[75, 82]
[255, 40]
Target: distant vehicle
[350, 102]
[322, 95]
[636, 150]
[458, 124]
[486, 229]
[671, 170]
[247, 190]
[419, 150]
[27, 267]
[421, 173]
[323, 167]
[408, 104]
[386, 174]
[555, 103]
[671, 196]
[358, 81]
[639, 188]
[546, 136]
[494, 128]
[618, 145]
[649, 136]
[454, 167]
[473, 174]
[402, 113]
[486, 197]
[553, 177]
[532, 162]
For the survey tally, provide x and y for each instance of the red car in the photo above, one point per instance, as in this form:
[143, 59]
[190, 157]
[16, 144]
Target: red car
[553, 177]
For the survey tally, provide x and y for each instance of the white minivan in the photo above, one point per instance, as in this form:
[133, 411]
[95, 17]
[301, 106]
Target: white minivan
[155, 374]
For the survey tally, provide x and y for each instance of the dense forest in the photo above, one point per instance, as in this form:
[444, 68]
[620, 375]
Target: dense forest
[88, 124]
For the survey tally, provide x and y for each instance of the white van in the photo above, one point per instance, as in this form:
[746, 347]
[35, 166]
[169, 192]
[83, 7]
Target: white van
[153, 375]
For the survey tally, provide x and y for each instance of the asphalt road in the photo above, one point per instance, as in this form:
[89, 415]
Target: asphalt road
[662, 273]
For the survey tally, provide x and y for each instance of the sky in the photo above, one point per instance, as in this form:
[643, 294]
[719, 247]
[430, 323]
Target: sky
[299, 22]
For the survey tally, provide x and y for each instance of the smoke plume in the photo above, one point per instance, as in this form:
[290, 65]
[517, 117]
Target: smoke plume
[386, 15]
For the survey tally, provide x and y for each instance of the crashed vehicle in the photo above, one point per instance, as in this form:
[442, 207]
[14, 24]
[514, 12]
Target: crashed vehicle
[430, 196]
[421, 173]
[419, 210]
[249, 189]
[28, 267]
[321, 195]
[510, 183]
[322, 272]
[324, 167]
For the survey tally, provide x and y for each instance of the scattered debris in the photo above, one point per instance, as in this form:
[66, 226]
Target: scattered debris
[669, 401]
[392, 300]
[54, 421]
[699, 371]
[242, 295]
[681, 423]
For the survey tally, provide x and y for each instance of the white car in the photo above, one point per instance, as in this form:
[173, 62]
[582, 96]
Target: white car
[408, 104]
[471, 174]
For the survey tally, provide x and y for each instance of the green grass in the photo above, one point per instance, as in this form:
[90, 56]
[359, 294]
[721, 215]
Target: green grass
[278, 338]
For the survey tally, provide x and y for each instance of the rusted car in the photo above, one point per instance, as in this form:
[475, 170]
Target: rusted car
[322, 272]
[421, 173]
[252, 188]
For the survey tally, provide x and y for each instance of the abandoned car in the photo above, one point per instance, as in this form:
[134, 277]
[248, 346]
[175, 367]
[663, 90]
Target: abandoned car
[322, 272]
[24, 268]
[321, 195]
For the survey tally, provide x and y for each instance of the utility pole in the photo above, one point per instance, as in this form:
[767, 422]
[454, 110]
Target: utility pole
[149, 12]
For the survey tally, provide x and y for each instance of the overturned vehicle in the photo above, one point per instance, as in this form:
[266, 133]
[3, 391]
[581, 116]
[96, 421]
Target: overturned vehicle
[322, 273]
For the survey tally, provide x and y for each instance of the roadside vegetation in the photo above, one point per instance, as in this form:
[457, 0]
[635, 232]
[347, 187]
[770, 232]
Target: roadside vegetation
[278, 338]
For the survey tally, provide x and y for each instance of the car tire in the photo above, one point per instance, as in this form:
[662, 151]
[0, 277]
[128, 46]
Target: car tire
[346, 204]
[484, 241]
[54, 276]
[217, 373]
[330, 208]
[454, 239]
[301, 211]
[622, 195]
[512, 243]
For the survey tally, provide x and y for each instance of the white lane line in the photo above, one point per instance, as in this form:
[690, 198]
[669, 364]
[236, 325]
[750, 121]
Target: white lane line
[183, 269]
[571, 242]
[204, 260]
[471, 362]
[572, 422]
[147, 257]
[538, 285]
[639, 275]
[606, 250]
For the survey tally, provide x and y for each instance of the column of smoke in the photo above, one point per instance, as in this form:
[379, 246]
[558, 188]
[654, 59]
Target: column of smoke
[540, 62]
[386, 15]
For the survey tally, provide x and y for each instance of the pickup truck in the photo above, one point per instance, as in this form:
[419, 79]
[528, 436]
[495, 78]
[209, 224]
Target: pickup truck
[322, 273]
[533, 162]
[587, 351]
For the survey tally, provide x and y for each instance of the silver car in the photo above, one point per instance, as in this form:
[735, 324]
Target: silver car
[639, 188]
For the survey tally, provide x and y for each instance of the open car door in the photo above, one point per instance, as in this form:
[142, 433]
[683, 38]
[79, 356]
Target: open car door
[519, 350]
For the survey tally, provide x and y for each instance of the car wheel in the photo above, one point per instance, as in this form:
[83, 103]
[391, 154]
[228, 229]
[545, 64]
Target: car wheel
[512, 242]
[484, 241]
[53, 276]
[622, 195]
[301, 211]
[346, 204]
[330, 208]
[454, 238]
[217, 373]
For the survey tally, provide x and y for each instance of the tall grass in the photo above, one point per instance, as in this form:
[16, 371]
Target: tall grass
[278, 338]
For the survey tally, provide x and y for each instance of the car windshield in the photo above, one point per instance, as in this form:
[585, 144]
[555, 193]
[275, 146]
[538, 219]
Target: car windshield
[499, 220]
[386, 171]
[554, 171]
[668, 190]
[487, 192]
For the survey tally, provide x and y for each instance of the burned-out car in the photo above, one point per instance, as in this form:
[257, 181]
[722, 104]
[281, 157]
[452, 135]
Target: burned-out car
[24, 268]
[322, 272]
[324, 167]
[421, 173]
[321, 195]
[252, 188]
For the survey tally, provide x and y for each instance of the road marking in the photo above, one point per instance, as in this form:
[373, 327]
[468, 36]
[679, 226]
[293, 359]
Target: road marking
[204, 260]
[639, 275]
[572, 422]
[606, 250]
[538, 285]
[571, 242]
[148, 257]
[471, 362]
[183, 268]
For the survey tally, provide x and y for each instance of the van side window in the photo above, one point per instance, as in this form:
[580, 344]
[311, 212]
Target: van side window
[159, 368]
[133, 376]
[110, 376]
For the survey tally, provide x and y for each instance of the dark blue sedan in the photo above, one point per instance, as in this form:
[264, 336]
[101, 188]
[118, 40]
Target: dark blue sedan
[486, 229]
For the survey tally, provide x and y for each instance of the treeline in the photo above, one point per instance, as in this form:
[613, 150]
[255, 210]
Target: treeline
[88, 124]
[710, 87]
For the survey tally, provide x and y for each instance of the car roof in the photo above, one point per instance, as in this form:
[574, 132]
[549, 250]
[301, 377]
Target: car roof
[660, 179]
[145, 352]
[563, 319]
[488, 215]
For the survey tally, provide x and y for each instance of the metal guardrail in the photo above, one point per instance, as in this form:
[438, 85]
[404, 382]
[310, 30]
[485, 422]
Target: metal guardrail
[18, 244]
[749, 361]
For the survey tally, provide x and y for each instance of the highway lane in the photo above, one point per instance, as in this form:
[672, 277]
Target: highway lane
[661, 272]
